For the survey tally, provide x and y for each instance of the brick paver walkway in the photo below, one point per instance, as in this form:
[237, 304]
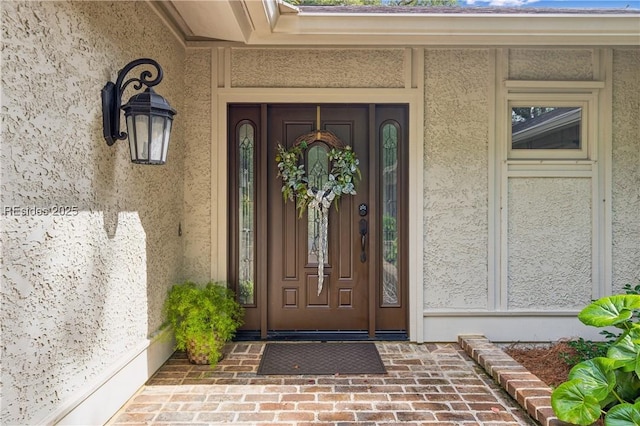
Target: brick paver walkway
[435, 384]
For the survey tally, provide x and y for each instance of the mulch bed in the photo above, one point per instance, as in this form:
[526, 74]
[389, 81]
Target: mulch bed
[545, 362]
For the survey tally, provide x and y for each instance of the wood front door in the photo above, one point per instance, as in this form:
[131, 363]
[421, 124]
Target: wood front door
[274, 251]
[293, 299]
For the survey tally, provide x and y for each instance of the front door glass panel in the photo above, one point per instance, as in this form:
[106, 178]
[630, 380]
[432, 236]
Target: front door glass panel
[318, 173]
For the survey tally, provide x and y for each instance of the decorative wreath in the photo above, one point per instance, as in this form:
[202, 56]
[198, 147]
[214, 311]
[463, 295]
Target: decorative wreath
[295, 184]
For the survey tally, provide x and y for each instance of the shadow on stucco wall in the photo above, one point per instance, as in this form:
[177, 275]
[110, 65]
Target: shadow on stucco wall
[89, 240]
[151, 195]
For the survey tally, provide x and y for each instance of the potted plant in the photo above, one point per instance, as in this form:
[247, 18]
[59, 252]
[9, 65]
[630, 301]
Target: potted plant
[203, 318]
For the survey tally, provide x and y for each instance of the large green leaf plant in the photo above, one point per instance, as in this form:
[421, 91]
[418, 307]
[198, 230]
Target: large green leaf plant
[606, 386]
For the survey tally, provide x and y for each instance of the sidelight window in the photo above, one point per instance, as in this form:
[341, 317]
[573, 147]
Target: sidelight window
[389, 199]
[246, 205]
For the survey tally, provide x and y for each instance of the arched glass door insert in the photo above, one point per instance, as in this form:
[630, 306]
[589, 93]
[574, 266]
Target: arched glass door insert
[318, 174]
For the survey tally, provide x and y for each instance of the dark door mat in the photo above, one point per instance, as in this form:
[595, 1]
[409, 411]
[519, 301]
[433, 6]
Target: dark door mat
[320, 358]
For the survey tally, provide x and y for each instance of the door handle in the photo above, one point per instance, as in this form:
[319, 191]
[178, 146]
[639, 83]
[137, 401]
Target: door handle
[363, 239]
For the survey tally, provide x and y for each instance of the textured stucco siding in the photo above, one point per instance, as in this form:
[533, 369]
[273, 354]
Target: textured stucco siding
[551, 64]
[456, 178]
[549, 243]
[317, 68]
[81, 288]
[197, 173]
[550, 223]
[626, 167]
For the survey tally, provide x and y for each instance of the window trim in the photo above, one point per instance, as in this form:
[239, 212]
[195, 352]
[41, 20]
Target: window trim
[588, 125]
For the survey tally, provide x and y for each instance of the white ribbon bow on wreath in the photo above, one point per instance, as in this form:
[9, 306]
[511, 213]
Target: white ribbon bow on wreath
[321, 202]
[341, 180]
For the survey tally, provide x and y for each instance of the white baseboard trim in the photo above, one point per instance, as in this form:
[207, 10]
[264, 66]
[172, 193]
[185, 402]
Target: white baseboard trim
[506, 327]
[99, 401]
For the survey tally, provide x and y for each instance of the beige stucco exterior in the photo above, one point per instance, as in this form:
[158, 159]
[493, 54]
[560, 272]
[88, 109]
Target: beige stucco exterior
[456, 141]
[83, 285]
[82, 291]
[625, 180]
[198, 215]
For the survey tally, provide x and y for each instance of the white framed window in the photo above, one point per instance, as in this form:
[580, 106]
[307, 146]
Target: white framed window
[551, 126]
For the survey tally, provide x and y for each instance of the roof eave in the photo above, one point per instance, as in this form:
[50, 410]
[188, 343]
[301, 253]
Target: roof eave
[455, 29]
[273, 22]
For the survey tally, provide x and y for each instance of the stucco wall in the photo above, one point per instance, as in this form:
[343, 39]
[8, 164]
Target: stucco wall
[455, 178]
[197, 173]
[82, 287]
[551, 64]
[550, 225]
[626, 167]
[317, 68]
[549, 243]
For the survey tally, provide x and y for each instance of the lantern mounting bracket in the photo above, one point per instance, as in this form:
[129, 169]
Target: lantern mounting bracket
[112, 96]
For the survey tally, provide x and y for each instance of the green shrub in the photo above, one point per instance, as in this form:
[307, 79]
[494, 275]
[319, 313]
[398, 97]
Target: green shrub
[584, 350]
[631, 290]
[203, 317]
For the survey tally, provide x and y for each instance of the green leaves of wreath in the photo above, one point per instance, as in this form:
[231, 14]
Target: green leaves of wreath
[295, 184]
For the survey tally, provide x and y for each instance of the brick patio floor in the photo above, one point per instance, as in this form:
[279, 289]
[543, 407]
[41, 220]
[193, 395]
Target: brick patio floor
[436, 384]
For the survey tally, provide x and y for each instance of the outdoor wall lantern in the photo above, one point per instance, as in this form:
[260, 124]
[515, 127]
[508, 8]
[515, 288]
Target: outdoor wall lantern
[149, 115]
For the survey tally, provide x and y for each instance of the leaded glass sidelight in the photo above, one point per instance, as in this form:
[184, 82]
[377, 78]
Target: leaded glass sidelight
[389, 181]
[246, 223]
[318, 173]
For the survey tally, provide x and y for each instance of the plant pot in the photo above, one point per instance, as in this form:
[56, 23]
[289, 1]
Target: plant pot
[200, 357]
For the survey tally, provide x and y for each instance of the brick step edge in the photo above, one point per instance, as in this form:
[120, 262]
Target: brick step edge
[527, 389]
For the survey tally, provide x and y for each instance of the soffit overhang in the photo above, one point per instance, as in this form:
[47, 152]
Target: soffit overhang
[272, 22]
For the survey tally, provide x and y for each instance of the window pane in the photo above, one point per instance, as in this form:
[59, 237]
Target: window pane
[165, 144]
[546, 127]
[245, 214]
[390, 215]
[131, 128]
[141, 125]
[157, 138]
[318, 173]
